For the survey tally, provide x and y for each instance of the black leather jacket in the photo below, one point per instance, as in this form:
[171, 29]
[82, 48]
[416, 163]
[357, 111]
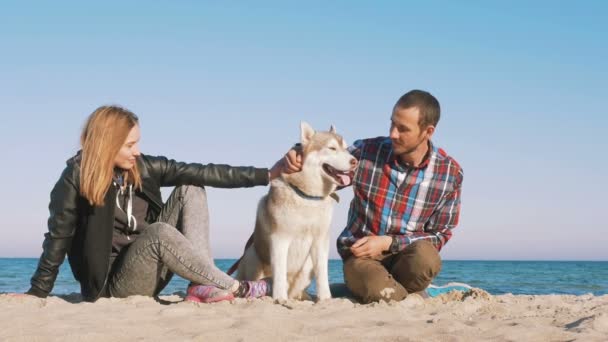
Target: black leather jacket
[84, 232]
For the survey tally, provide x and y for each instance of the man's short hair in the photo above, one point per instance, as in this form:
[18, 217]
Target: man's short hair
[426, 103]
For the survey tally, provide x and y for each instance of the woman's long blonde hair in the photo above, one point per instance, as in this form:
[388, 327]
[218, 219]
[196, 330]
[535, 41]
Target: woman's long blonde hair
[102, 137]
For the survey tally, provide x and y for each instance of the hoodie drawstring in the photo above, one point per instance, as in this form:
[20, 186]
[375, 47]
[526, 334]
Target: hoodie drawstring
[129, 211]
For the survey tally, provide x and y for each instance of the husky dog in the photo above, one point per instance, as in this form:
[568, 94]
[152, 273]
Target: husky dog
[291, 237]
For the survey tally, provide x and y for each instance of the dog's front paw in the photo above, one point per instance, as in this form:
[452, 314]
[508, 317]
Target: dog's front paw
[280, 301]
[279, 292]
[323, 293]
[323, 298]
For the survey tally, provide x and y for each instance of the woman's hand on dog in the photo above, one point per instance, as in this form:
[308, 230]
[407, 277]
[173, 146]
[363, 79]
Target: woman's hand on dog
[290, 163]
[293, 160]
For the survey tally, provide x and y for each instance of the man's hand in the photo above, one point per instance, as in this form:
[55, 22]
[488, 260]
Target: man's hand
[290, 163]
[371, 246]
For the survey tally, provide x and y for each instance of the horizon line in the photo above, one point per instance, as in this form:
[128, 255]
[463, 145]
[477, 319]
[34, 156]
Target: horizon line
[334, 259]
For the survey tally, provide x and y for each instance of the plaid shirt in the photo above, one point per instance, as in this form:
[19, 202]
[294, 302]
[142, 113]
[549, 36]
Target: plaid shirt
[404, 202]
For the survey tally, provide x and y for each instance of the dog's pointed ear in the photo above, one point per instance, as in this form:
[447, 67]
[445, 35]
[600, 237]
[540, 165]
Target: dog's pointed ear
[306, 133]
[332, 129]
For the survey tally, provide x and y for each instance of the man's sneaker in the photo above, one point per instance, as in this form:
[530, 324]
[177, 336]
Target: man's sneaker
[434, 291]
[207, 294]
[340, 290]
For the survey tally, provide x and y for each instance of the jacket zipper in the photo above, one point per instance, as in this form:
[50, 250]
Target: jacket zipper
[105, 281]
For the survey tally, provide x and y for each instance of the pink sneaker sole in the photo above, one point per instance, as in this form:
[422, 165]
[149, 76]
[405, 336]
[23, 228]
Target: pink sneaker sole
[210, 300]
[208, 294]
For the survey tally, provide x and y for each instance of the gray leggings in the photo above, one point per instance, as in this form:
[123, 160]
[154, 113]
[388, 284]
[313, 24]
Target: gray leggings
[178, 243]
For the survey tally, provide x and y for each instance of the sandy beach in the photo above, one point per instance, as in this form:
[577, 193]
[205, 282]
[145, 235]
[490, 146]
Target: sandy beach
[456, 316]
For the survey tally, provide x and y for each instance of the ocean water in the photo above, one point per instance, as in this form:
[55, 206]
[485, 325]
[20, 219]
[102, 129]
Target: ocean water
[496, 277]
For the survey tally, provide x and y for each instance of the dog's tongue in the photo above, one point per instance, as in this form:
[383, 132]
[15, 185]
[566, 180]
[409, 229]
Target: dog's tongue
[344, 179]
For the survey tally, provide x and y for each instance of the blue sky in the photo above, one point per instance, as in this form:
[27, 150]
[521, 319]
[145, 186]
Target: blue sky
[522, 87]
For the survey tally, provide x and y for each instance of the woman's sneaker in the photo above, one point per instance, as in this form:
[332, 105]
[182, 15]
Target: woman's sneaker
[207, 294]
[258, 288]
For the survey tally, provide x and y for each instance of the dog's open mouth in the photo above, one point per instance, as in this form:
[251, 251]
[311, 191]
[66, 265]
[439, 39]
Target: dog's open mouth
[341, 177]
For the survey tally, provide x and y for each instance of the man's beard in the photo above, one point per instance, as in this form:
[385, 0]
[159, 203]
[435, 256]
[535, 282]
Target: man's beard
[412, 149]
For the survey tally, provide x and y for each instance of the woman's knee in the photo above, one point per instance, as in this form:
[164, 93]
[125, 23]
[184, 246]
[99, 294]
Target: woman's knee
[160, 230]
[187, 191]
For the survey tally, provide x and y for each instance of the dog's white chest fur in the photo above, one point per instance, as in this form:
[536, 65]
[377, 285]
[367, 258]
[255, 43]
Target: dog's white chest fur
[303, 221]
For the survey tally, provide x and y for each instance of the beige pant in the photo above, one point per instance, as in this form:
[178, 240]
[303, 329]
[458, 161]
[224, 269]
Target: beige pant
[392, 277]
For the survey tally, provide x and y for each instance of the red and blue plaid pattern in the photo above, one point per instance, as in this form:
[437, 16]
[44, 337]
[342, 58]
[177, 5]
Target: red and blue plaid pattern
[408, 203]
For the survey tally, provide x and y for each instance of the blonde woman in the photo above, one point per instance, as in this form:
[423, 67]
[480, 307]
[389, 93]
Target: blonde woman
[107, 215]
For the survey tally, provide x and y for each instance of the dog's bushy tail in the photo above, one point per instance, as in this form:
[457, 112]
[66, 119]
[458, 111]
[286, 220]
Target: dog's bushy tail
[235, 266]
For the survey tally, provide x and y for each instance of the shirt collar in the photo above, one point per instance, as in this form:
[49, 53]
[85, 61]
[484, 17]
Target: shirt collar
[395, 162]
